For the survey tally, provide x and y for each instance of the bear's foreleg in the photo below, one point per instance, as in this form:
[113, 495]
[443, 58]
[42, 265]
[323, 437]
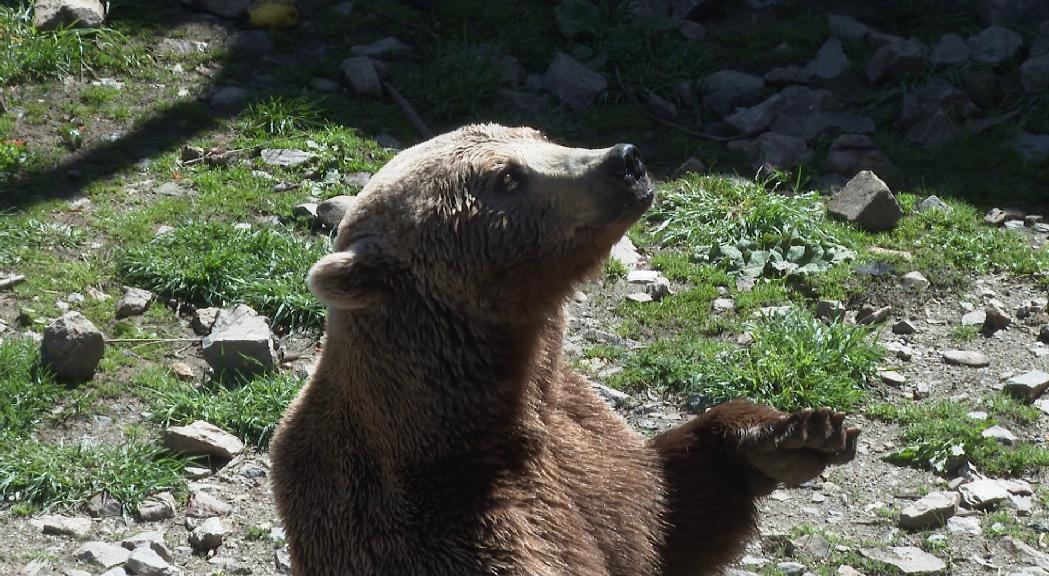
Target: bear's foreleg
[717, 465]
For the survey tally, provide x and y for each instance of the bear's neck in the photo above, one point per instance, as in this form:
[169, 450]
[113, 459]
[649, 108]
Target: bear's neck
[426, 384]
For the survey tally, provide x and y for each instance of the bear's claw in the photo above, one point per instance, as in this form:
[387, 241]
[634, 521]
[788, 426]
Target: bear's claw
[798, 446]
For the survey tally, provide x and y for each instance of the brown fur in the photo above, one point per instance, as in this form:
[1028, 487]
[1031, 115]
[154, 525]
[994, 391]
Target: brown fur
[442, 432]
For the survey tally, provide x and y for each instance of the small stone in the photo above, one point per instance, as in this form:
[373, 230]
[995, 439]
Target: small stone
[974, 318]
[847, 27]
[226, 8]
[852, 153]
[964, 525]
[830, 61]
[72, 347]
[914, 281]
[102, 554]
[572, 83]
[331, 211]
[625, 253]
[722, 305]
[933, 203]
[661, 107]
[207, 536]
[363, 76]
[255, 42]
[983, 494]
[813, 545]
[183, 371]
[203, 504]
[830, 310]
[950, 50]
[240, 341]
[693, 30]
[1027, 386]
[146, 538]
[930, 511]
[966, 358]
[892, 378]
[197, 472]
[934, 131]
[873, 315]
[895, 60]
[134, 302]
[904, 327]
[144, 561]
[156, 508]
[202, 439]
[52, 14]
[995, 45]
[204, 319]
[285, 156]
[361, 179]
[778, 150]
[1043, 334]
[867, 202]
[324, 84]
[639, 297]
[229, 97]
[380, 48]
[642, 276]
[846, 570]
[1000, 434]
[63, 525]
[791, 568]
[907, 559]
[995, 319]
[102, 505]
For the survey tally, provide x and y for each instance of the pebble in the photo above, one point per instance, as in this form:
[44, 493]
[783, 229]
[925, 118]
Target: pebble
[914, 281]
[208, 535]
[203, 504]
[1000, 434]
[892, 378]
[639, 297]
[964, 525]
[904, 327]
[974, 318]
[966, 358]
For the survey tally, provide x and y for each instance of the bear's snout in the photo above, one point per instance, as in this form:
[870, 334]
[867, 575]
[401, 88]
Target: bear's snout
[624, 164]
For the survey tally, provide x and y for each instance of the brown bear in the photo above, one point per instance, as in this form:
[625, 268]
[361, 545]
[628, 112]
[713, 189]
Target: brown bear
[443, 433]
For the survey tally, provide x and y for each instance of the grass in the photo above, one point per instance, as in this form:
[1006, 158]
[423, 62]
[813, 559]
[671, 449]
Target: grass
[28, 392]
[939, 435]
[280, 116]
[795, 361]
[249, 409]
[459, 84]
[216, 264]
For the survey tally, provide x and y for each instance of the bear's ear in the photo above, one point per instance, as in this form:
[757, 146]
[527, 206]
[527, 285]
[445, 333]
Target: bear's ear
[355, 278]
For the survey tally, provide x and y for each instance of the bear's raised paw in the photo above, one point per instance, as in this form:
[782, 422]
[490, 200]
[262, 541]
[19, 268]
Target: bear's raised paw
[796, 447]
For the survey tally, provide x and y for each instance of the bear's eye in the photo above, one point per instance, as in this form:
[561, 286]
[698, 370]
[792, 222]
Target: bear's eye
[510, 178]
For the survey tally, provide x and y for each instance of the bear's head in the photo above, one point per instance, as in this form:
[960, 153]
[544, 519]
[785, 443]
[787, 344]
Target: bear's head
[486, 220]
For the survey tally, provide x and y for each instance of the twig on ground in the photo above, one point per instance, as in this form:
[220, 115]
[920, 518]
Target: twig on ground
[405, 107]
[11, 281]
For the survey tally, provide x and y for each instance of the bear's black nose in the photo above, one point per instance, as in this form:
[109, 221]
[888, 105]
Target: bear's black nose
[625, 162]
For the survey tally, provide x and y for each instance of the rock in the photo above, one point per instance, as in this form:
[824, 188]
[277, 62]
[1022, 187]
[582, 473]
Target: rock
[207, 536]
[661, 107]
[895, 60]
[907, 559]
[144, 561]
[659, 289]
[1034, 73]
[914, 281]
[307, 210]
[950, 50]
[934, 132]
[930, 511]
[904, 327]
[611, 395]
[72, 347]
[847, 27]
[362, 75]
[1014, 12]
[102, 505]
[892, 378]
[525, 101]
[51, 14]
[384, 47]
[870, 315]
[240, 341]
[134, 302]
[983, 494]
[785, 75]
[63, 525]
[1000, 434]
[725, 90]
[692, 165]
[626, 253]
[331, 211]
[642, 276]
[147, 538]
[778, 150]
[226, 8]
[813, 545]
[966, 358]
[995, 319]
[1028, 386]
[285, 156]
[982, 86]
[250, 42]
[974, 318]
[639, 297]
[202, 439]
[156, 508]
[830, 61]
[933, 98]
[831, 310]
[324, 84]
[851, 153]
[693, 30]
[846, 570]
[721, 305]
[1043, 334]
[806, 113]
[572, 83]
[751, 120]
[964, 525]
[229, 97]
[360, 179]
[204, 319]
[995, 45]
[791, 568]
[866, 202]
[933, 203]
[102, 554]
[1031, 147]
[203, 504]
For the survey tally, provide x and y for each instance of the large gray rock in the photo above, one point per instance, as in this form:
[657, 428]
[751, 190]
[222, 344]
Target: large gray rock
[983, 494]
[51, 14]
[1034, 73]
[240, 341]
[930, 511]
[895, 60]
[363, 76]
[866, 202]
[778, 150]
[1027, 386]
[102, 554]
[995, 45]
[573, 83]
[380, 48]
[63, 525]
[331, 211]
[950, 50]
[144, 561]
[134, 302]
[156, 508]
[851, 153]
[72, 347]
[830, 61]
[207, 536]
[906, 559]
[202, 439]
[725, 90]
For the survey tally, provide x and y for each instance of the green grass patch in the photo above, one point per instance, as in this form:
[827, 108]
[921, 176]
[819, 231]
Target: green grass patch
[941, 436]
[216, 264]
[28, 391]
[250, 409]
[280, 116]
[795, 361]
[459, 84]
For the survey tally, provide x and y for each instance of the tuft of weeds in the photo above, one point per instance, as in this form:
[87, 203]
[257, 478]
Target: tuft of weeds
[280, 116]
[459, 84]
[14, 155]
[940, 436]
[795, 361]
[217, 264]
[65, 475]
[964, 333]
[614, 269]
[250, 409]
[28, 391]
